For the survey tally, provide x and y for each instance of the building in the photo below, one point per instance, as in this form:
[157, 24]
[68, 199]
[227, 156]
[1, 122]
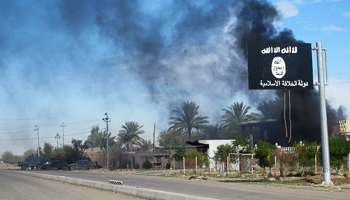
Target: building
[209, 147]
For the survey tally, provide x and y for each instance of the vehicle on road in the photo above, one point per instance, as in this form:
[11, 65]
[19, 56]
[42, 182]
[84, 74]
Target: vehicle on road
[55, 164]
[32, 162]
[84, 164]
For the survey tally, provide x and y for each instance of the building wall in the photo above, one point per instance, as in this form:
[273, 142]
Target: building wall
[101, 158]
[213, 145]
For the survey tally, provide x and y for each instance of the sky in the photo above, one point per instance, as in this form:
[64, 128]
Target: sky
[64, 64]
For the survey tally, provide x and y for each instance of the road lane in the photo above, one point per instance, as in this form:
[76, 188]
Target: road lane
[211, 189]
[16, 186]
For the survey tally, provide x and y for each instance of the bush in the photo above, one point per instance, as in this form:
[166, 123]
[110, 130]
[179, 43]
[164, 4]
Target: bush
[264, 154]
[137, 166]
[124, 163]
[202, 158]
[147, 164]
[179, 154]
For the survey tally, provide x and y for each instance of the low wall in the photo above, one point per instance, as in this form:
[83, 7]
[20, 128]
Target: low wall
[8, 166]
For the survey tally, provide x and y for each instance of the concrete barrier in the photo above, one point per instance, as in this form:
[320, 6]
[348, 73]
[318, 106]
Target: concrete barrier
[128, 190]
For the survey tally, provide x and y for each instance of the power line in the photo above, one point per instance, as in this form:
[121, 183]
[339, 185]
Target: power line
[15, 132]
[43, 137]
[56, 118]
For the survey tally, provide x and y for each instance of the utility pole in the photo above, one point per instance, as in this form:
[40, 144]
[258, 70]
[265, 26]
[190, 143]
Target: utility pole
[324, 129]
[63, 133]
[37, 129]
[154, 137]
[106, 119]
[58, 137]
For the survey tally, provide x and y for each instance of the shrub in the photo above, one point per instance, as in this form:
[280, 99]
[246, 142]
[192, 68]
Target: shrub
[179, 154]
[124, 163]
[202, 158]
[147, 164]
[137, 166]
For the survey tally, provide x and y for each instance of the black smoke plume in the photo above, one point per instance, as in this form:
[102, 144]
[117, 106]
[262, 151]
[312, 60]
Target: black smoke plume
[174, 52]
[255, 23]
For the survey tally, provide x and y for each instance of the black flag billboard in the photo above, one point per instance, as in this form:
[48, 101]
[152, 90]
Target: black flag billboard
[279, 66]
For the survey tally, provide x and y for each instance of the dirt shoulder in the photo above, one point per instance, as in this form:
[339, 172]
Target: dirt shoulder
[340, 182]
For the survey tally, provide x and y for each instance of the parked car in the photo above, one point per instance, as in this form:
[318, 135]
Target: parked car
[84, 164]
[55, 164]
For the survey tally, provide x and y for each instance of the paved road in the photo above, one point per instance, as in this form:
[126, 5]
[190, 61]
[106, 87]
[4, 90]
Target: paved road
[209, 189]
[16, 186]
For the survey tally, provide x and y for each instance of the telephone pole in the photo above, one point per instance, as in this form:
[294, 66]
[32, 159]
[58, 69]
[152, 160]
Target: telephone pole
[63, 133]
[106, 119]
[154, 137]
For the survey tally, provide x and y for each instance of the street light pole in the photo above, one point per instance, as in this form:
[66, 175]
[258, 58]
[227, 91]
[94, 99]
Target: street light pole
[106, 119]
[37, 129]
[58, 137]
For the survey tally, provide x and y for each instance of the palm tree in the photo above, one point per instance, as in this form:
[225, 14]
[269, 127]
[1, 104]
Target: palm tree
[178, 142]
[98, 138]
[130, 134]
[213, 131]
[145, 145]
[271, 109]
[186, 118]
[236, 114]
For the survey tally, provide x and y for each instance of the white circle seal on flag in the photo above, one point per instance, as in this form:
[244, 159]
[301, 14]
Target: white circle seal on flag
[278, 67]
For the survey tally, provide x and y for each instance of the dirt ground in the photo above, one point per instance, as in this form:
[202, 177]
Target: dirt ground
[337, 180]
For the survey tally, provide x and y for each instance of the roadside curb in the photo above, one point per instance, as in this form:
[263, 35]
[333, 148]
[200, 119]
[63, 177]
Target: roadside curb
[128, 190]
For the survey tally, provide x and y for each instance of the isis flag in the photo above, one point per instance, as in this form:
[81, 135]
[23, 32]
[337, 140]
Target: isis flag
[274, 65]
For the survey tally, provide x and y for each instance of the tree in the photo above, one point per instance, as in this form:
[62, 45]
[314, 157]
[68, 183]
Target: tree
[271, 109]
[186, 118]
[237, 113]
[306, 154]
[264, 154]
[71, 153]
[289, 159]
[28, 153]
[94, 133]
[242, 145]
[202, 158]
[98, 138]
[130, 134]
[338, 149]
[8, 157]
[223, 152]
[233, 116]
[58, 153]
[48, 149]
[172, 137]
[116, 147]
[179, 154]
[145, 145]
[231, 132]
[213, 131]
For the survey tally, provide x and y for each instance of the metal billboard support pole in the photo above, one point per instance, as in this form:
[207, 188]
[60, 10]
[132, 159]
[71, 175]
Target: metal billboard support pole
[323, 112]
